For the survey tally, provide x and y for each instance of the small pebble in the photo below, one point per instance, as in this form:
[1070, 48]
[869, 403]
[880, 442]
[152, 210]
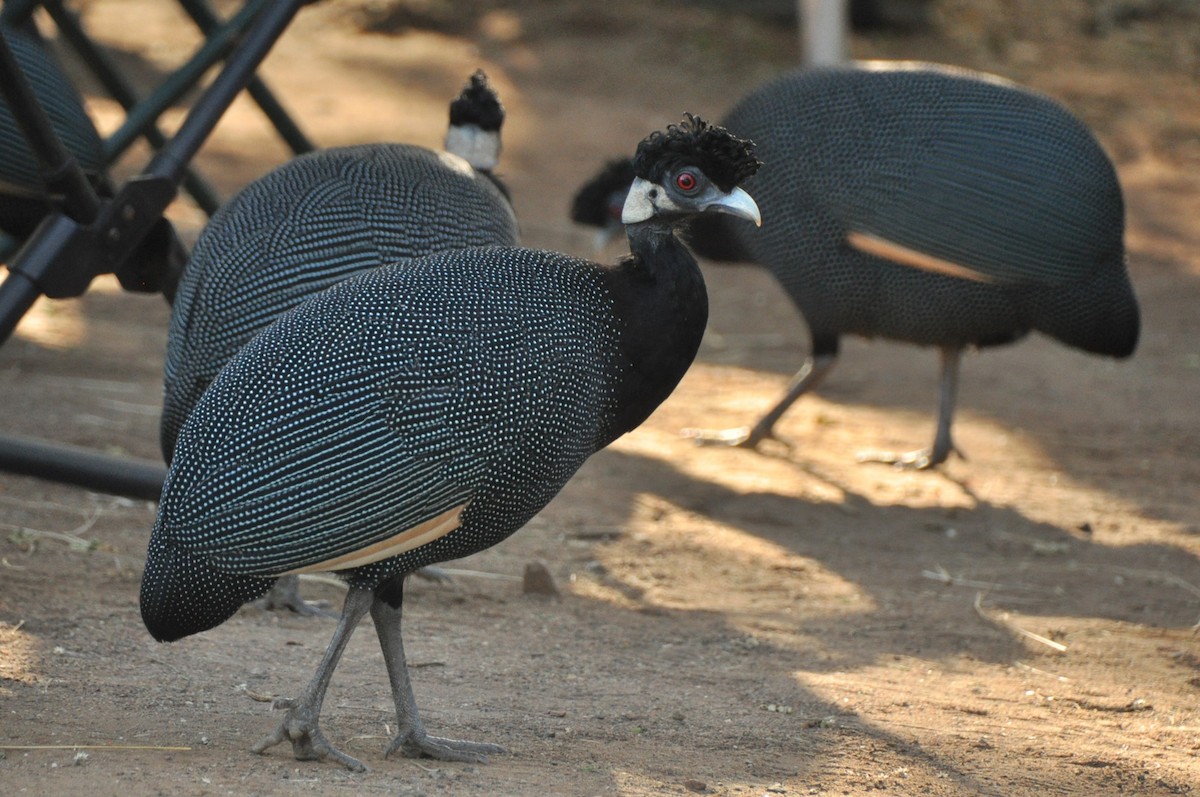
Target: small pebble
[538, 581]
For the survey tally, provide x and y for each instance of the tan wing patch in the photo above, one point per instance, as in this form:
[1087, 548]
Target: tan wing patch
[430, 530]
[889, 250]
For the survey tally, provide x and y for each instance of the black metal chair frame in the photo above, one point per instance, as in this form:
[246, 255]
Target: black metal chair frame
[88, 235]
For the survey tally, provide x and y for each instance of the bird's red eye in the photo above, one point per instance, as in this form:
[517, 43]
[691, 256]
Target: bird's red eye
[686, 181]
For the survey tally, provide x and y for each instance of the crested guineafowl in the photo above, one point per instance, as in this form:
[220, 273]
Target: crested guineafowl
[923, 204]
[24, 199]
[317, 220]
[321, 218]
[425, 411]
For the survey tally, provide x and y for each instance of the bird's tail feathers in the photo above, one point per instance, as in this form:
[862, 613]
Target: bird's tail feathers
[183, 594]
[1101, 317]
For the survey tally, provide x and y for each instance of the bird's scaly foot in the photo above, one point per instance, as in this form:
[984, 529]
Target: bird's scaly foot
[921, 459]
[285, 594]
[738, 437]
[434, 574]
[308, 743]
[416, 744]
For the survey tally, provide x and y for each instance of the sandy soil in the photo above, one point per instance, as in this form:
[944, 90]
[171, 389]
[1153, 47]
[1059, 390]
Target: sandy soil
[736, 623]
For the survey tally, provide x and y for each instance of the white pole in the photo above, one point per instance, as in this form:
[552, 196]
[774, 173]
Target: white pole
[823, 26]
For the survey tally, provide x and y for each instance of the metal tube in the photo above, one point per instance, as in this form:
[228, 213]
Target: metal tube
[274, 19]
[182, 80]
[134, 478]
[207, 20]
[17, 295]
[60, 170]
[105, 71]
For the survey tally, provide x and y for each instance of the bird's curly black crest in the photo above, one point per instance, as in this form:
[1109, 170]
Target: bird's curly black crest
[723, 157]
[591, 204]
[478, 104]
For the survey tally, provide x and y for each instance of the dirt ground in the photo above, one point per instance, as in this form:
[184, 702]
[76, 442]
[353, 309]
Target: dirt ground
[787, 622]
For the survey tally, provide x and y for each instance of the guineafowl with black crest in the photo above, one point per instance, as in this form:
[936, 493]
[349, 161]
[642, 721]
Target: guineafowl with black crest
[425, 411]
[317, 220]
[923, 204]
[321, 218]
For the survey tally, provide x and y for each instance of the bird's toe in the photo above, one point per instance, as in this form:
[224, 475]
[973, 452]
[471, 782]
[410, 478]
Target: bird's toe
[921, 459]
[437, 575]
[308, 742]
[285, 596]
[421, 745]
[737, 437]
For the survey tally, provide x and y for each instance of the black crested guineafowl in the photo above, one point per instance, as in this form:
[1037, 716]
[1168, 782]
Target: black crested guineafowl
[321, 218]
[922, 204]
[426, 411]
[317, 220]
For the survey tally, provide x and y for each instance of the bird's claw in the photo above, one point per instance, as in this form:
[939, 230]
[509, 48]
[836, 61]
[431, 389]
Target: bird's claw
[308, 742]
[921, 459]
[418, 744]
[285, 595]
[718, 437]
[435, 575]
[737, 437]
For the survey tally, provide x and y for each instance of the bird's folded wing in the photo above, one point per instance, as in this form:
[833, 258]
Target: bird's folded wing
[871, 244]
[351, 497]
[279, 474]
[978, 209]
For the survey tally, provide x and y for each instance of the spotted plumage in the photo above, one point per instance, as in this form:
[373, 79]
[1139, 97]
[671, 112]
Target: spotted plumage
[419, 412]
[313, 222]
[482, 376]
[928, 205]
[23, 197]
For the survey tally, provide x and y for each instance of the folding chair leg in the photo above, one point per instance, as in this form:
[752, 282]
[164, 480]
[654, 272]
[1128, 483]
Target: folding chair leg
[101, 65]
[207, 20]
[133, 478]
[95, 236]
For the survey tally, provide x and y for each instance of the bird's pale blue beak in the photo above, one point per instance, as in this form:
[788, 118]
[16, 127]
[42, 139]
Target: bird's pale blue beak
[738, 203]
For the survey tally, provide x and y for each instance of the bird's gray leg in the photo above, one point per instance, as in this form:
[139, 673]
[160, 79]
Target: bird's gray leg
[299, 726]
[285, 594]
[943, 443]
[811, 374]
[411, 739]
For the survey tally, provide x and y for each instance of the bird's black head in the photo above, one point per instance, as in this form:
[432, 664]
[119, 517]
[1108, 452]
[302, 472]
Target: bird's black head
[476, 116]
[477, 104]
[723, 157]
[690, 168]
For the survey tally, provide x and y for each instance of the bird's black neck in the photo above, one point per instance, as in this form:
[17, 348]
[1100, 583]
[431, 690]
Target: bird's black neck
[715, 236]
[496, 181]
[659, 296]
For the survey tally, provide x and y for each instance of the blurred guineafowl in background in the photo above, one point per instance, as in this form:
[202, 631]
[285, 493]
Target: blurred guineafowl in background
[24, 200]
[425, 411]
[318, 220]
[31, 190]
[923, 204]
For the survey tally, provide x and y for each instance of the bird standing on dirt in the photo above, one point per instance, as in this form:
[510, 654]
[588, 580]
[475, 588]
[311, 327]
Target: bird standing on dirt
[317, 220]
[321, 218]
[426, 411]
[922, 204]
